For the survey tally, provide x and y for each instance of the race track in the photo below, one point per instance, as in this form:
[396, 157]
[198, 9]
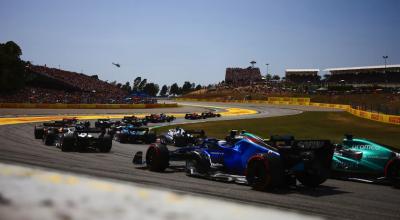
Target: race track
[334, 199]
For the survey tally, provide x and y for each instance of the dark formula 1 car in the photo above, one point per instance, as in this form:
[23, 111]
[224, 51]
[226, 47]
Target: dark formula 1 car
[132, 134]
[154, 118]
[210, 115]
[194, 116]
[135, 121]
[104, 123]
[81, 138]
[180, 138]
[248, 158]
[49, 131]
[367, 161]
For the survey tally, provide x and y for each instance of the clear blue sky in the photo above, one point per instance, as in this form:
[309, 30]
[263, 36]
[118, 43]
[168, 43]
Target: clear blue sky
[170, 41]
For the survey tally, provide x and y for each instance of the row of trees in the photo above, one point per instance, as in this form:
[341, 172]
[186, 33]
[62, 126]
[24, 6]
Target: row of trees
[140, 85]
[270, 77]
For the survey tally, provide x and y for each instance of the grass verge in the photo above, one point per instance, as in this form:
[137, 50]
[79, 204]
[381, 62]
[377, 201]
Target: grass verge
[310, 125]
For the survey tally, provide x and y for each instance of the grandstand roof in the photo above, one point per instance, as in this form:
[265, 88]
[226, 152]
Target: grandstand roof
[363, 68]
[302, 70]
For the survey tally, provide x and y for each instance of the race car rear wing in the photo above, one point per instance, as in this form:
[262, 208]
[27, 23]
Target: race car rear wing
[90, 130]
[54, 124]
[201, 133]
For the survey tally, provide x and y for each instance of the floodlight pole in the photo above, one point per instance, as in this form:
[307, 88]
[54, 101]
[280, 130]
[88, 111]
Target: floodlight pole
[252, 63]
[385, 58]
[267, 67]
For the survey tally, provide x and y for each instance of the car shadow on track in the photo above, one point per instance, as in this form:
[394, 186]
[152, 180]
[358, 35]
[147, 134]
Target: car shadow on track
[171, 168]
[319, 191]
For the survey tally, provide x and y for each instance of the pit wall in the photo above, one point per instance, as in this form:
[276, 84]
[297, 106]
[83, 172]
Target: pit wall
[374, 116]
[87, 106]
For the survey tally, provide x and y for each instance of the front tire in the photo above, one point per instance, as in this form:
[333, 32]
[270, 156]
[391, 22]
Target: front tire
[264, 172]
[157, 157]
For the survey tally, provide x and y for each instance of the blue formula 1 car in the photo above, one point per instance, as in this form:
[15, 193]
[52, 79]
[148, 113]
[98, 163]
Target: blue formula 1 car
[132, 134]
[247, 158]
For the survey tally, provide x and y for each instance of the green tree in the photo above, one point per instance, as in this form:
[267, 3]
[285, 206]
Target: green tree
[127, 87]
[187, 87]
[276, 77]
[141, 85]
[12, 68]
[174, 90]
[268, 77]
[198, 87]
[151, 89]
[136, 82]
[164, 90]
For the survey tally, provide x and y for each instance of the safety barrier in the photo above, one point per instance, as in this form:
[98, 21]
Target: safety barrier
[290, 99]
[87, 106]
[375, 116]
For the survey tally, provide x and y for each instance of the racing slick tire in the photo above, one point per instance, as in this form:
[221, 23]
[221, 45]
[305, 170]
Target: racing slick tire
[121, 138]
[264, 172]
[314, 176]
[106, 144]
[48, 139]
[198, 163]
[393, 172]
[38, 132]
[67, 143]
[157, 157]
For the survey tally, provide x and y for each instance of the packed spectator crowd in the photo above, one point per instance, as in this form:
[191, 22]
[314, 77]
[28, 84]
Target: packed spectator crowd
[87, 89]
[364, 78]
[242, 76]
[303, 78]
[81, 81]
[43, 95]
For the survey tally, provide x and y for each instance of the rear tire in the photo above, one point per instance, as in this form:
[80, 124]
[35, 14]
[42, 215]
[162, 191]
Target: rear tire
[48, 139]
[106, 144]
[67, 143]
[157, 157]
[122, 138]
[315, 175]
[264, 172]
[38, 132]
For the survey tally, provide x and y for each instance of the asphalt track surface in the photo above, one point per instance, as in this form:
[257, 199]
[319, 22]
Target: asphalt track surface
[335, 199]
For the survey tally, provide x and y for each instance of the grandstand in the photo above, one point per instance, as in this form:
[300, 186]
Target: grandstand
[242, 77]
[301, 76]
[383, 75]
[51, 85]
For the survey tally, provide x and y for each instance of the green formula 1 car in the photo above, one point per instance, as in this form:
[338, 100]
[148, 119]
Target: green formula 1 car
[367, 161]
